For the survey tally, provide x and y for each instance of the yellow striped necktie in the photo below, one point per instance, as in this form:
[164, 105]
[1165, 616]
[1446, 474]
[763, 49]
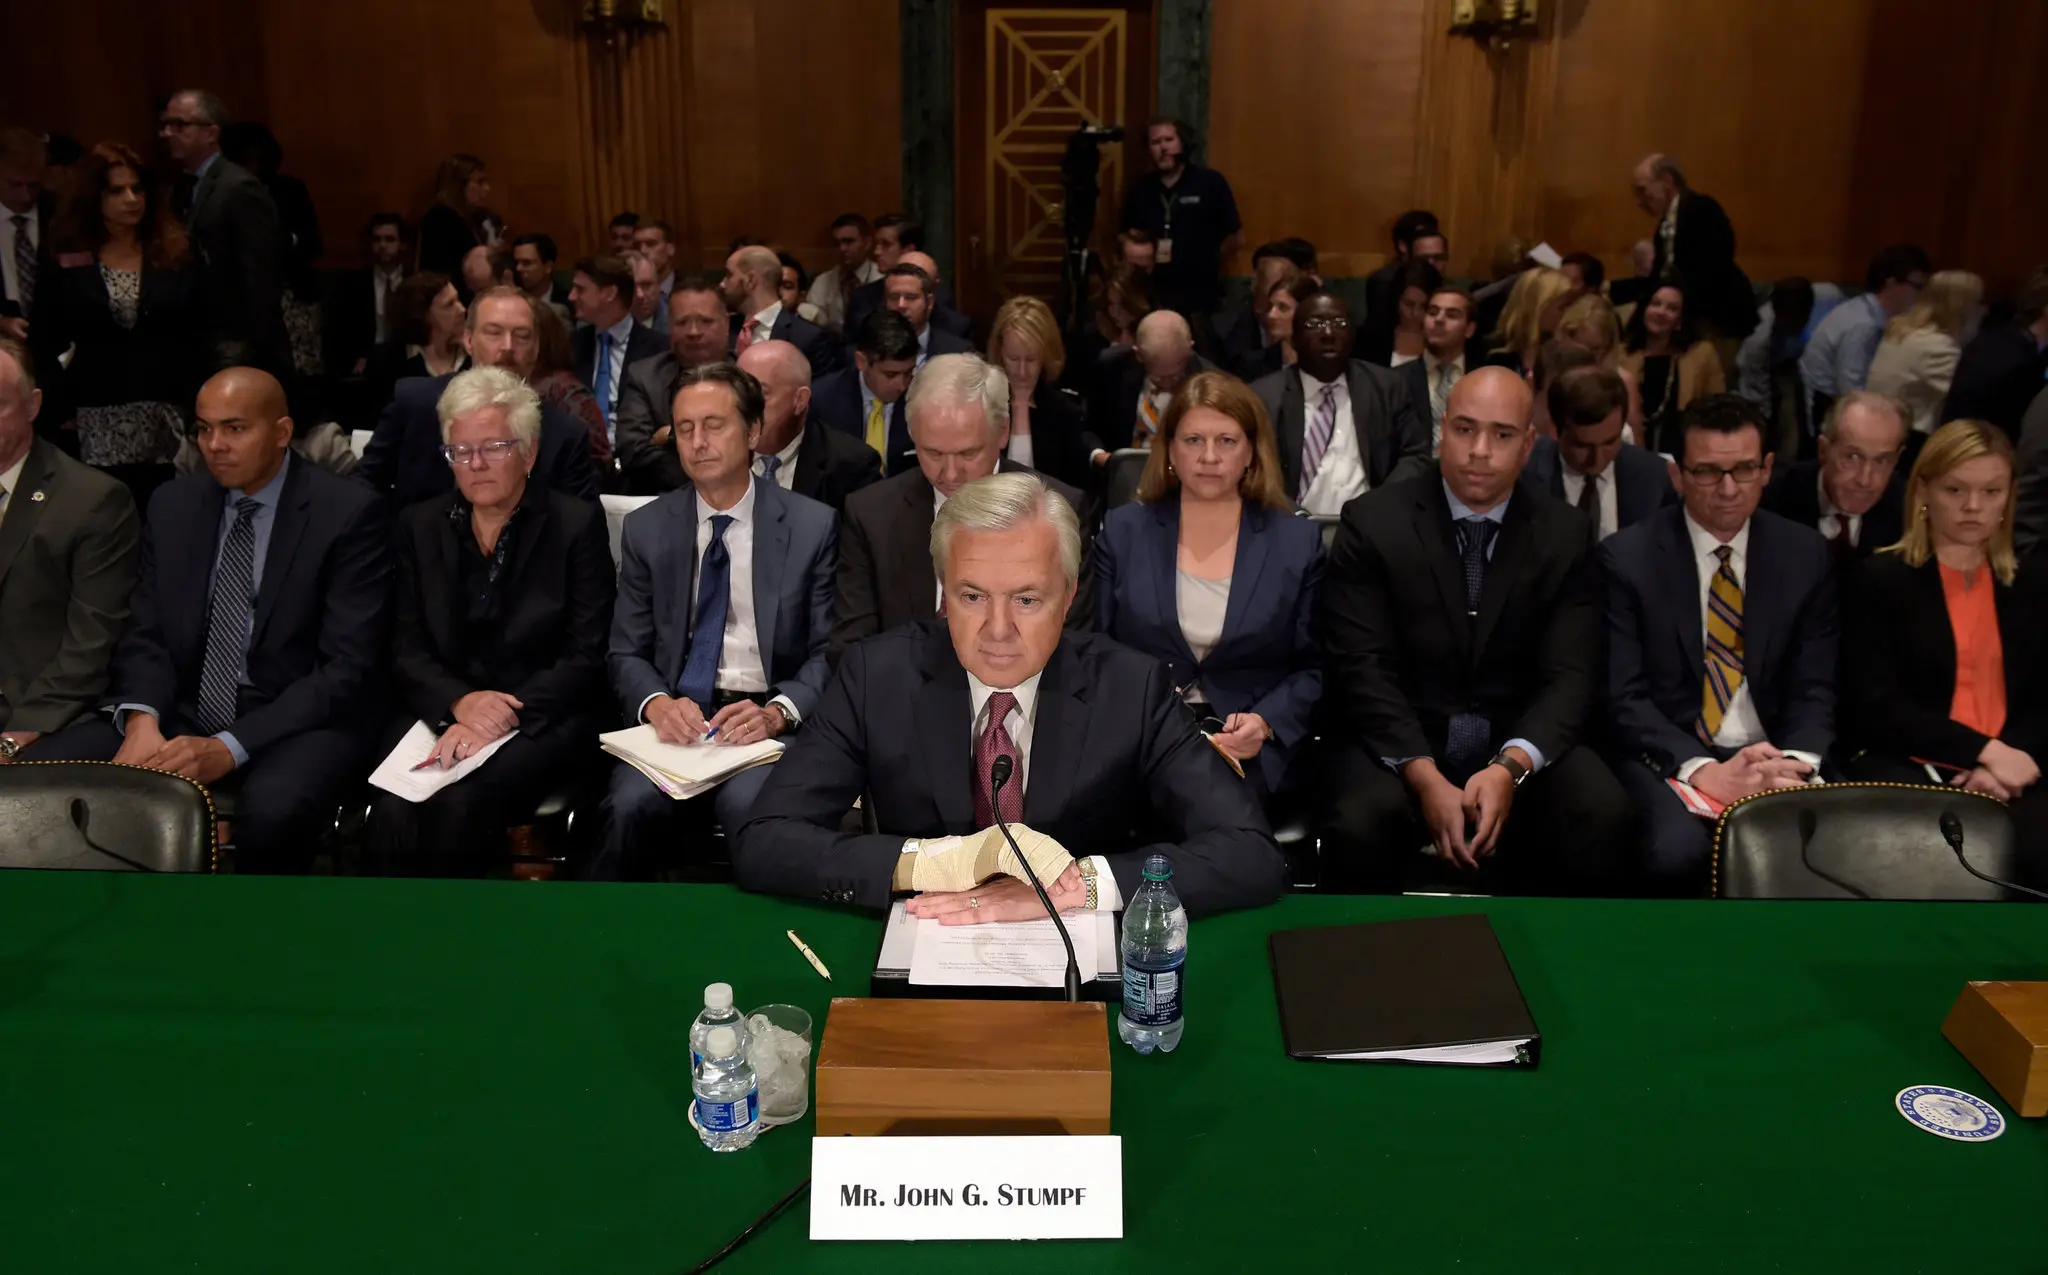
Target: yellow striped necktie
[1148, 413]
[1724, 646]
[878, 429]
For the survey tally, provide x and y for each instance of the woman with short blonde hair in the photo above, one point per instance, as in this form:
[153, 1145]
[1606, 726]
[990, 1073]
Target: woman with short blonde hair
[1047, 423]
[1916, 361]
[1535, 305]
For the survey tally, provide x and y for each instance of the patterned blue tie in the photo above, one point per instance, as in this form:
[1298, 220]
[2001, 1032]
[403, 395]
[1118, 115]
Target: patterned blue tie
[1470, 734]
[700, 669]
[227, 622]
[603, 388]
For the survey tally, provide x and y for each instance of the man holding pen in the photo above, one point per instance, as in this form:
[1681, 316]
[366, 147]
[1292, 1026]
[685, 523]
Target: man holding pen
[724, 608]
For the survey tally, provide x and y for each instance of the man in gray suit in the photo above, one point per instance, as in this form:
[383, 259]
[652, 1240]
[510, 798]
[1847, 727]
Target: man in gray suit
[724, 609]
[234, 228]
[68, 544]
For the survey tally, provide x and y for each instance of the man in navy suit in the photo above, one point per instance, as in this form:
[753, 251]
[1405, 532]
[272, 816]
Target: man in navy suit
[1611, 483]
[1722, 633]
[912, 290]
[753, 293]
[258, 629]
[899, 241]
[610, 340]
[724, 608]
[866, 400]
[404, 457]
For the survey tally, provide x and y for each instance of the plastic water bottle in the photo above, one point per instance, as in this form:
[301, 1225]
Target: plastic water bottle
[1155, 951]
[728, 1097]
[718, 1012]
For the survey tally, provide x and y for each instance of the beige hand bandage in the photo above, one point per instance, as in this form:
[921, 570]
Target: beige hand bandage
[951, 864]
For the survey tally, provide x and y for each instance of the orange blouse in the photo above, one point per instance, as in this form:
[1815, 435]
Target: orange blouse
[1980, 653]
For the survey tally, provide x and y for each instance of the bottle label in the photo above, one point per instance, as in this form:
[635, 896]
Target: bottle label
[1152, 997]
[729, 1117]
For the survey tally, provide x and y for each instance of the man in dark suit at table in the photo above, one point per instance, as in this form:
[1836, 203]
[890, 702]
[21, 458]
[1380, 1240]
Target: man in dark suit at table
[68, 543]
[1461, 630]
[2002, 370]
[1611, 483]
[1721, 637]
[697, 330]
[959, 413]
[259, 627]
[403, 459]
[794, 451]
[1344, 426]
[609, 341]
[1853, 492]
[866, 400]
[1105, 764]
[724, 606]
[1695, 249]
[753, 293]
[234, 228]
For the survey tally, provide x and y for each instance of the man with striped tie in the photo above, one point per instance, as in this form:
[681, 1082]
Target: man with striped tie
[1722, 635]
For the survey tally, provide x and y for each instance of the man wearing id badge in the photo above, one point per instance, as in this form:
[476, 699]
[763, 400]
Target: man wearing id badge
[1192, 217]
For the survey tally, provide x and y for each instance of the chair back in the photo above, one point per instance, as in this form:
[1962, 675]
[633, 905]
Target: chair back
[615, 510]
[1870, 841]
[1327, 524]
[97, 816]
[1121, 476]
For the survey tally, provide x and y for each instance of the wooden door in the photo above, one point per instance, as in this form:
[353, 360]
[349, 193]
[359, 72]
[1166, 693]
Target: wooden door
[1027, 77]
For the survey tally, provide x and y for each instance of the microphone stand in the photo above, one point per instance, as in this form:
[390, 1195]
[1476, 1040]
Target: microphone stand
[999, 774]
[1952, 832]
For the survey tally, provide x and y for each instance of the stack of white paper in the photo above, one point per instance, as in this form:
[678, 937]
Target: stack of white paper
[395, 774]
[686, 770]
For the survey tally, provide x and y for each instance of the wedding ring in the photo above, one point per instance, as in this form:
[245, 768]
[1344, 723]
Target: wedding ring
[973, 902]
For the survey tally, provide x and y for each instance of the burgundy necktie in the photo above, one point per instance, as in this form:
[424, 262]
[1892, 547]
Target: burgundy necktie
[995, 742]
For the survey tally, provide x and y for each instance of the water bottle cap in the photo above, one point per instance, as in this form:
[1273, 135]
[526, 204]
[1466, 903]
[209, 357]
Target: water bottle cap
[718, 996]
[1158, 868]
[721, 1042]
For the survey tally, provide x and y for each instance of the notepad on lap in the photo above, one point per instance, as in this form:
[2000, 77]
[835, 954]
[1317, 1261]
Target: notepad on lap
[1431, 990]
[685, 770]
[395, 774]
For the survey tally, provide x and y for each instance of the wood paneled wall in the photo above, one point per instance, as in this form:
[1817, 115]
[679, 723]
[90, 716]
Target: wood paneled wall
[764, 117]
[1826, 127]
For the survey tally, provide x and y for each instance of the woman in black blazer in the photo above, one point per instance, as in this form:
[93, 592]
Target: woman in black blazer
[1942, 678]
[459, 218]
[125, 295]
[1047, 423]
[1213, 574]
[501, 614]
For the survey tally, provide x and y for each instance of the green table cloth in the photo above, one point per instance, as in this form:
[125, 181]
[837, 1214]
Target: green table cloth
[338, 1075]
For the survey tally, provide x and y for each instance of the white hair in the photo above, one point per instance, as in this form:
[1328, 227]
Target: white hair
[959, 380]
[1005, 502]
[482, 387]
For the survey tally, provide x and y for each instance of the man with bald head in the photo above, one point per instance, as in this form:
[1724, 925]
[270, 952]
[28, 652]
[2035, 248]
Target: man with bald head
[258, 626]
[1695, 250]
[752, 290]
[826, 464]
[1853, 493]
[1462, 630]
[1137, 384]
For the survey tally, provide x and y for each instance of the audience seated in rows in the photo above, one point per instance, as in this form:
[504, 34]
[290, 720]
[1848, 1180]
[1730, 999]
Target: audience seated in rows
[1850, 493]
[793, 451]
[753, 293]
[866, 400]
[1584, 461]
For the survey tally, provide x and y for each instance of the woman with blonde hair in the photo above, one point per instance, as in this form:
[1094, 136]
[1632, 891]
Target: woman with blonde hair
[1941, 680]
[1210, 572]
[1592, 324]
[1047, 423]
[1917, 359]
[1534, 308]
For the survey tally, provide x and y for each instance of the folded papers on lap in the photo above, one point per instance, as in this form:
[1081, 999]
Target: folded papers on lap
[686, 770]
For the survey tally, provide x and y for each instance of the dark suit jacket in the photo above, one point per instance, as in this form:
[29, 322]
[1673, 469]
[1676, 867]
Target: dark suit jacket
[830, 465]
[351, 321]
[1795, 494]
[836, 402]
[886, 579]
[820, 347]
[1393, 434]
[2030, 511]
[1716, 290]
[1899, 668]
[1117, 768]
[795, 548]
[642, 343]
[69, 539]
[160, 359]
[445, 238]
[1642, 484]
[867, 298]
[1059, 435]
[235, 235]
[554, 613]
[1113, 417]
[646, 405]
[1268, 660]
[1233, 340]
[1996, 379]
[1402, 654]
[322, 608]
[45, 217]
[404, 458]
[1656, 664]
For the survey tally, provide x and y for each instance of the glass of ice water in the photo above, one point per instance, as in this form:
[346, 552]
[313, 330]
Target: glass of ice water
[781, 1054]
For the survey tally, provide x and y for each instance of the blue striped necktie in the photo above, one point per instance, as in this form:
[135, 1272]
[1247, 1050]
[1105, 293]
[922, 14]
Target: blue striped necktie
[707, 641]
[227, 621]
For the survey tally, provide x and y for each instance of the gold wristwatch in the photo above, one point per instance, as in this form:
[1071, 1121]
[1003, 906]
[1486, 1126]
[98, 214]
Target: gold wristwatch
[1087, 867]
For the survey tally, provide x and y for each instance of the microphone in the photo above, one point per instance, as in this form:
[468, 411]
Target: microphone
[80, 816]
[1807, 824]
[999, 772]
[1952, 832]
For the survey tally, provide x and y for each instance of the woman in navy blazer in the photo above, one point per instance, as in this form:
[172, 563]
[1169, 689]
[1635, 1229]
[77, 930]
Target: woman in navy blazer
[1212, 573]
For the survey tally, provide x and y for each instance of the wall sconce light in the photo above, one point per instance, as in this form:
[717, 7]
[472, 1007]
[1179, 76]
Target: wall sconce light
[1496, 23]
[608, 20]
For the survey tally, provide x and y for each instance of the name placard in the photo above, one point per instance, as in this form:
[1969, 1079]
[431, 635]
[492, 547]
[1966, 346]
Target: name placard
[1048, 1188]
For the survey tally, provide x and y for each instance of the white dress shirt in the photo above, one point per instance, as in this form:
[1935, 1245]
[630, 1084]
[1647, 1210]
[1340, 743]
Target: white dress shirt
[762, 325]
[1341, 477]
[7, 270]
[10, 478]
[785, 469]
[1604, 492]
[1832, 518]
[383, 283]
[1019, 723]
[1740, 725]
[825, 294]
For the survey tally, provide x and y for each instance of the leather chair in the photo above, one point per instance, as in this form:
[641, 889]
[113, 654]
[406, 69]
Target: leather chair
[1121, 475]
[1869, 841]
[98, 816]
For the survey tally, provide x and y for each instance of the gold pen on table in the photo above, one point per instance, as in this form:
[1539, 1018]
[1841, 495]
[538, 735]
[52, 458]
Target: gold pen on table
[810, 956]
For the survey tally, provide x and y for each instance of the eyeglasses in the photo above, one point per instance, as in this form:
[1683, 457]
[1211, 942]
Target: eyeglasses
[171, 123]
[1326, 326]
[493, 452]
[1711, 475]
